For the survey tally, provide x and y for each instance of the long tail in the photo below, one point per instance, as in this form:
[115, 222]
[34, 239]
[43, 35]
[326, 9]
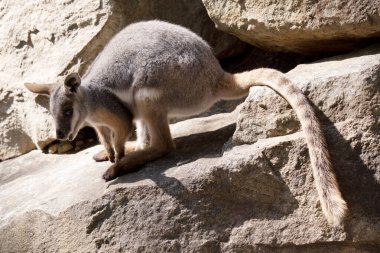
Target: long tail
[333, 205]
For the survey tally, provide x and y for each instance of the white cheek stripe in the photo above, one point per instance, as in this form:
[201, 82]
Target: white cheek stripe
[75, 121]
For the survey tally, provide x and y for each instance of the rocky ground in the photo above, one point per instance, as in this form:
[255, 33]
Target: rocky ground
[221, 191]
[238, 181]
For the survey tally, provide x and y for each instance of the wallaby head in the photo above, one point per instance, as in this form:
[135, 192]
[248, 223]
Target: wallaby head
[66, 106]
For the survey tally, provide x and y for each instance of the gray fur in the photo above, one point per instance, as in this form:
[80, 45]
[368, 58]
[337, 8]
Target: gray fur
[153, 70]
[162, 56]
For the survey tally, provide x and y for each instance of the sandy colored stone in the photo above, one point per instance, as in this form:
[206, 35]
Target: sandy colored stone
[24, 122]
[258, 197]
[310, 27]
[212, 195]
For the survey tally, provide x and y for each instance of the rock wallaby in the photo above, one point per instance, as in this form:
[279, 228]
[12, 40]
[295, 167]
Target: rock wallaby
[153, 70]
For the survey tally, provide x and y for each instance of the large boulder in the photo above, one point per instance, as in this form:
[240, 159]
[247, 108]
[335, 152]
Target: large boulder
[310, 27]
[212, 195]
[43, 40]
[340, 88]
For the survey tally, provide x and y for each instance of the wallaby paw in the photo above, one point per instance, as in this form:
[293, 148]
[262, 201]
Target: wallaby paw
[101, 156]
[111, 173]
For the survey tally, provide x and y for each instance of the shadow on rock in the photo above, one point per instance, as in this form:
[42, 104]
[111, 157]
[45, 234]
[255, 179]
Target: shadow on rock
[356, 177]
[220, 195]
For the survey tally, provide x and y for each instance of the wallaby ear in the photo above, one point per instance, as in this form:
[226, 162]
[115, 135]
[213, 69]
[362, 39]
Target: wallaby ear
[72, 82]
[44, 89]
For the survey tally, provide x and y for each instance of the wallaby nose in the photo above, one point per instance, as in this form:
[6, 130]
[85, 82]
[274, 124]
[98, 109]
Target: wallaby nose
[60, 134]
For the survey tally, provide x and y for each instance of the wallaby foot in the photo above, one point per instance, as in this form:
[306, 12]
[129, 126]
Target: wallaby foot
[111, 173]
[133, 161]
[161, 144]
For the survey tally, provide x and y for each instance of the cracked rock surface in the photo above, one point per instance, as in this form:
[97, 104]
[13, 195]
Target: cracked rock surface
[308, 27]
[215, 193]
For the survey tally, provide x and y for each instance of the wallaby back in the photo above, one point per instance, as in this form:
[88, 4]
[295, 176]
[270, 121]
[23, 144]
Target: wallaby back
[161, 60]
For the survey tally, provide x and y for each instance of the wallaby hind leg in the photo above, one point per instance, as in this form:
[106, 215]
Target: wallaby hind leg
[142, 134]
[161, 143]
[105, 138]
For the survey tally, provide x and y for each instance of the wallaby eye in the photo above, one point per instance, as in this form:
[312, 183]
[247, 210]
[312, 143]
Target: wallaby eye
[68, 112]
